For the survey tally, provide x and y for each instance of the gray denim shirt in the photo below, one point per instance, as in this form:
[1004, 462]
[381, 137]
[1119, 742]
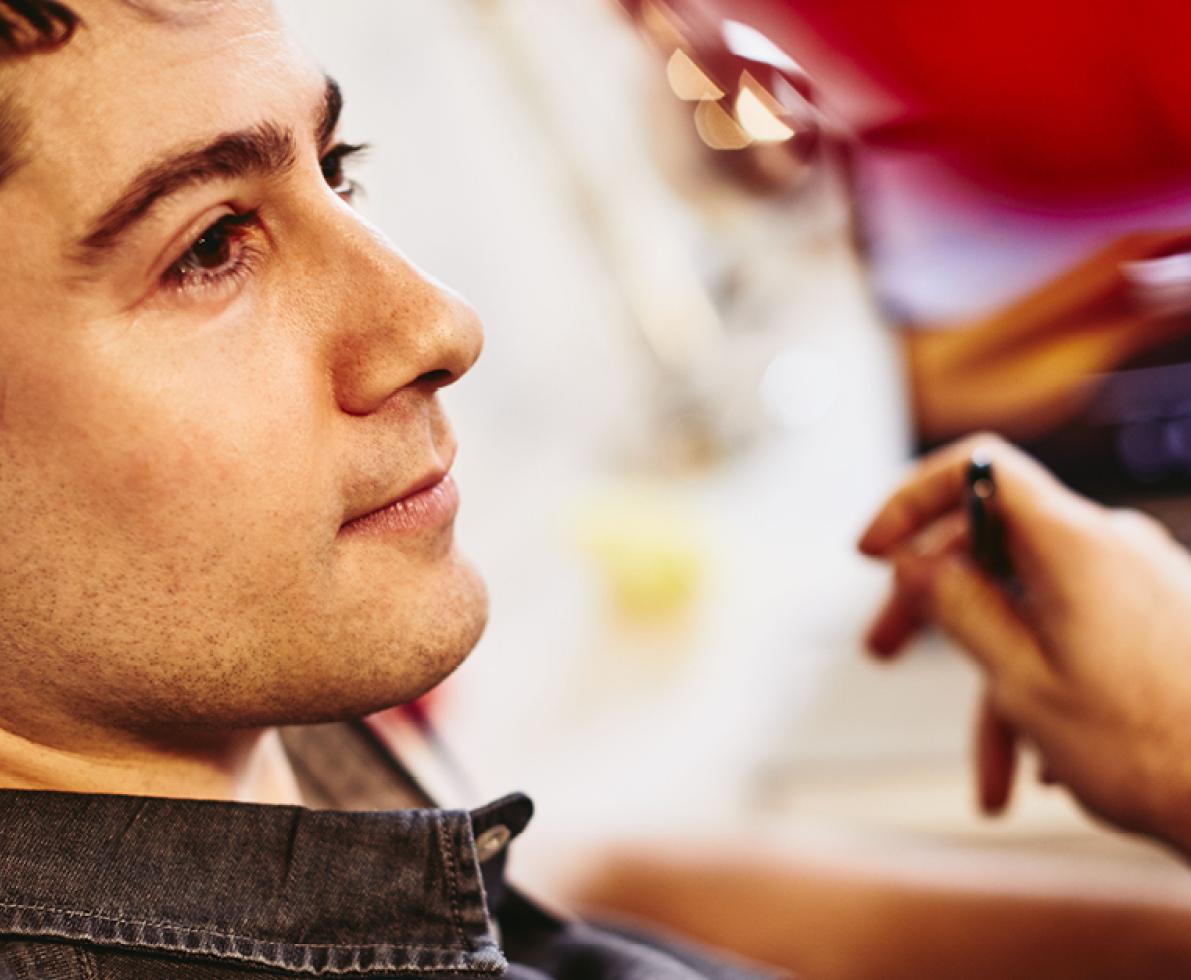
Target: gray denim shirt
[123, 888]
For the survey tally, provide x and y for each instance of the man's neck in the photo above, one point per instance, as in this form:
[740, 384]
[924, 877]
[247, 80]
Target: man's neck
[248, 767]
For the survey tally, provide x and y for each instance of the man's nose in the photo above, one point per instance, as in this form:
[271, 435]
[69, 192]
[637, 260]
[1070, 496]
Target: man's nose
[396, 327]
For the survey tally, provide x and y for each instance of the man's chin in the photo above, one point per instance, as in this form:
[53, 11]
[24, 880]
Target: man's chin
[421, 657]
[367, 666]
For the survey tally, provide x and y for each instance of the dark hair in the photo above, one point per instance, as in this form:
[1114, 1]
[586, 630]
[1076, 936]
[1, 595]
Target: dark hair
[27, 26]
[34, 25]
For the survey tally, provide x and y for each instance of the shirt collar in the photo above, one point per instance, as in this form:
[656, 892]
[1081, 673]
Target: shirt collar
[319, 892]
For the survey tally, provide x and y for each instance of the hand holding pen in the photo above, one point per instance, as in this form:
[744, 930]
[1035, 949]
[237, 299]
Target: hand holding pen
[1081, 625]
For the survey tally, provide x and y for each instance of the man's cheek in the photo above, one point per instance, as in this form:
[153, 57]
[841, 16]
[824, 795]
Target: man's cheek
[204, 446]
[202, 478]
[217, 524]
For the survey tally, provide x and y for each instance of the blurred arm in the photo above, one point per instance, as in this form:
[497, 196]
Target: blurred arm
[848, 920]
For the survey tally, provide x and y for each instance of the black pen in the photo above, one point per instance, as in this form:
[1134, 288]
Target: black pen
[988, 546]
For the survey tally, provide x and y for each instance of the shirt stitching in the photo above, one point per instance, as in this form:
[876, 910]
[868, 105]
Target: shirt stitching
[124, 920]
[452, 879]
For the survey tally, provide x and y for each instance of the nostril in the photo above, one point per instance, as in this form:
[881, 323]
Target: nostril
[435, 379]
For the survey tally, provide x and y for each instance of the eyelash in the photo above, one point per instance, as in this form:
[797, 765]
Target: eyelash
[233, 232]
[332, 167]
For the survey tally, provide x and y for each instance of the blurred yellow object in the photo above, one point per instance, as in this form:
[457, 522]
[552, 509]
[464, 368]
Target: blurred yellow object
[648, 549]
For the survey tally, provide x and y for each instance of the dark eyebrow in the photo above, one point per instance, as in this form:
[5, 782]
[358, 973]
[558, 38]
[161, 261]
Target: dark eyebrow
[263, 150]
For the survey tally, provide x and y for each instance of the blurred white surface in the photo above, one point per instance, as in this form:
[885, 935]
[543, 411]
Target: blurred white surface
[490, 122]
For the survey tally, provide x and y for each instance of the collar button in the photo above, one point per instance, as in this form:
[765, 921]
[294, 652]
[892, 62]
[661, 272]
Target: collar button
[491, 842]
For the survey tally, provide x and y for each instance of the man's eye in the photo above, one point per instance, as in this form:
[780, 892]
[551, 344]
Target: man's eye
[220, 253]
[212, 250]
[333, 172]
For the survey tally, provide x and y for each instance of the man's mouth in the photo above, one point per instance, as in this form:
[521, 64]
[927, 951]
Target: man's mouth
[430, 503]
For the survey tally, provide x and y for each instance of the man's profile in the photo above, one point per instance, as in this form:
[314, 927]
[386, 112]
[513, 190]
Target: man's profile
[213, 372]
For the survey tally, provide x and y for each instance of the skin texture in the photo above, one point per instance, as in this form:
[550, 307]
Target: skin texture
[176, 466]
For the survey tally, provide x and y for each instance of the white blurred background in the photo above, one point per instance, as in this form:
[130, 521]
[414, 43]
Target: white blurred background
[676, 602]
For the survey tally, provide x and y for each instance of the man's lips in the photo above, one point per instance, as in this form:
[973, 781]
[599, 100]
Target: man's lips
[431, 502]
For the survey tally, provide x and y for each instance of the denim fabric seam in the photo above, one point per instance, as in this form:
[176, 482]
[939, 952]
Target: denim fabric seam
[221, 934]
[451, 874]
[400, 958]
[385, 964]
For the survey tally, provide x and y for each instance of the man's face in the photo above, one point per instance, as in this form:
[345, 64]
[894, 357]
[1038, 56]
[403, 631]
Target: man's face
[209, 365]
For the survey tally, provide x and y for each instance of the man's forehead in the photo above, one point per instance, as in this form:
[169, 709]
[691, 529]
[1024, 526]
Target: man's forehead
[132, 86]
[158, 27]
[158, 66]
